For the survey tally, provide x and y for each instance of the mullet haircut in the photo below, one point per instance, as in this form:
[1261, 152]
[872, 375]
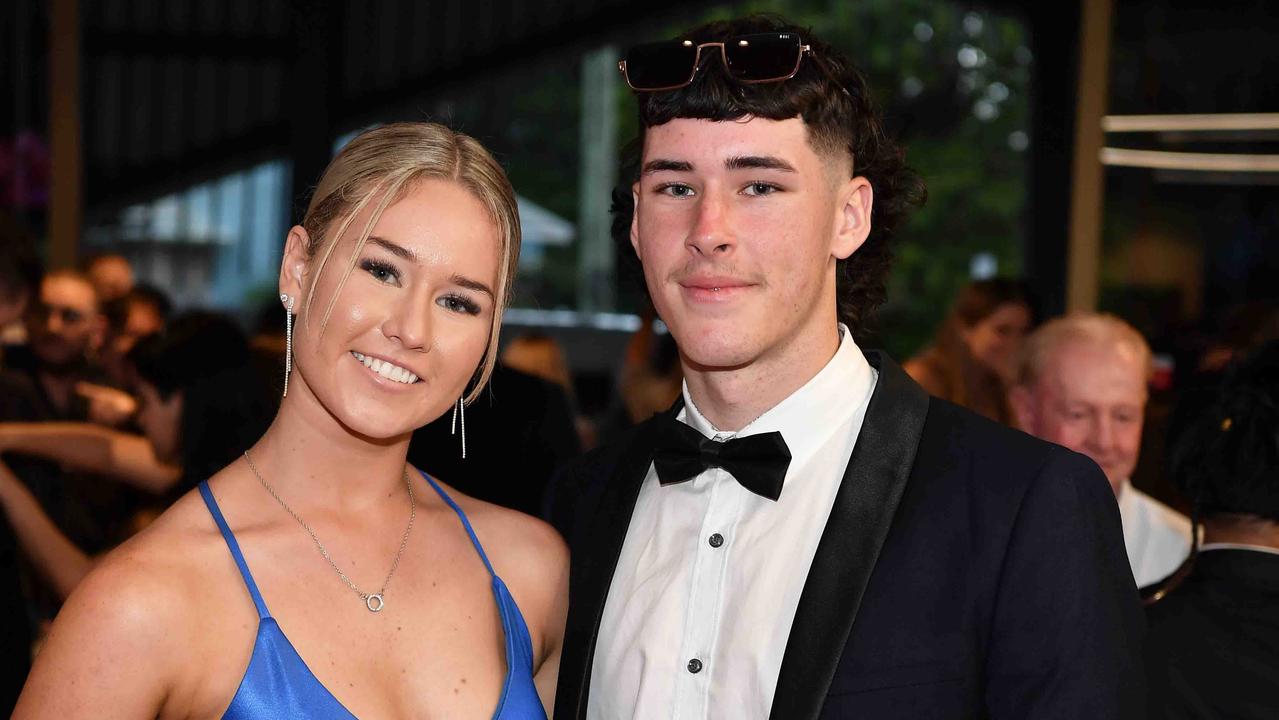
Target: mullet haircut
[833, 99]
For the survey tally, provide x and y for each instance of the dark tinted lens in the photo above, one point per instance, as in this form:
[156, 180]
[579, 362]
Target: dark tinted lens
[660, 65]
[767, 56]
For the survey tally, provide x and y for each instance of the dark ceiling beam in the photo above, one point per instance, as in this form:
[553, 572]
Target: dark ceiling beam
[314, 92]
[598, 26]
[109, 191]
[121, 187]
[184, 45]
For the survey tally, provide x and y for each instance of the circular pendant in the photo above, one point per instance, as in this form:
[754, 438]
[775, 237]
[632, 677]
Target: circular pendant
[375, 602]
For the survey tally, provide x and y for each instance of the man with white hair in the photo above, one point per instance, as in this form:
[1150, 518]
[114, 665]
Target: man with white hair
[1082, 384]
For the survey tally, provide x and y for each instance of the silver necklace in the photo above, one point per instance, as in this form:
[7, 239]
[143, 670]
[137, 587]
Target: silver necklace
[373, 601]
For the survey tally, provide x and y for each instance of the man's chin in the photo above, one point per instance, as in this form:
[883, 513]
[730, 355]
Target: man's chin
[59, 364]
[712, 357]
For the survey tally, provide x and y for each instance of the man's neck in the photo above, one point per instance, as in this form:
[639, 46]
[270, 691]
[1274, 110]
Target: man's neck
[732, 398]
[1241, 530]
[57, 387]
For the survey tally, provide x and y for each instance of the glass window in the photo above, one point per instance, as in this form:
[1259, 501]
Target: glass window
[216, 244]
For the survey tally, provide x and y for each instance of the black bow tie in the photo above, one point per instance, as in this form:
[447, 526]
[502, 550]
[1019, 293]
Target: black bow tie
[758, 462]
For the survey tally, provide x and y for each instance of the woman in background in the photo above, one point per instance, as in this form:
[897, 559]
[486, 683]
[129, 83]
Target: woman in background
[973, 359]
[267, 593]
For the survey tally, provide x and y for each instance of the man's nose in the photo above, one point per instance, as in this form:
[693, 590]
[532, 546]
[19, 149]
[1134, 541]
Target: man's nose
[1103, 434]
[712, 232]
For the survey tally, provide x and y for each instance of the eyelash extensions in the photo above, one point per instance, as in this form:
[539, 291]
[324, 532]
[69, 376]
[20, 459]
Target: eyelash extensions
[380, 269]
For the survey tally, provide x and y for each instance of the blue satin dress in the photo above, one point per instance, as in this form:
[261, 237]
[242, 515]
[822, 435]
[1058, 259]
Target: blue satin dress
[278, 685]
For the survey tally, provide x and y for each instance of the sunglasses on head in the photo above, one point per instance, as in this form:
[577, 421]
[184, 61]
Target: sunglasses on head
[672, 64]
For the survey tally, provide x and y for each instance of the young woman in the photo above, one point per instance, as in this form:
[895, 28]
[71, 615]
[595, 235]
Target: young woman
[320, 575]
[973, 360]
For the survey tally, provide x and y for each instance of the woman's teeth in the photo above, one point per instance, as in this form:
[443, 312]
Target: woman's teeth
[386, 369]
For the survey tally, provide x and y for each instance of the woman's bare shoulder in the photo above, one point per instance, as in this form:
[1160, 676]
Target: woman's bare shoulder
[158, 573]
[532, 560]
[122, 634]
[511, 535]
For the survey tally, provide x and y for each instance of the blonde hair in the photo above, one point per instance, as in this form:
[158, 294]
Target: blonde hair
[1099, 329]
[382, 165]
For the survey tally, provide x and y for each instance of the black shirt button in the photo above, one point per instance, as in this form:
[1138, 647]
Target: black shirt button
[716, 540]
[694, 666]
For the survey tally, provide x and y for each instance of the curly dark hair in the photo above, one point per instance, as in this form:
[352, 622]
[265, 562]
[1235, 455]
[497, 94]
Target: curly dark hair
[1227, 457]
[833, 99]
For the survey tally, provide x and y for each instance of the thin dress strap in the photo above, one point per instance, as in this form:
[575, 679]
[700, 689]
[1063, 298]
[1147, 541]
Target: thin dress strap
[465, 523]
[212, 504]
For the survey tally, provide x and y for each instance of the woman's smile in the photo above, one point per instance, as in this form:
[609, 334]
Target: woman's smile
[386, 370]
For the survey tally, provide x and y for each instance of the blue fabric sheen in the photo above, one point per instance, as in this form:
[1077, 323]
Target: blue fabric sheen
[279, 685]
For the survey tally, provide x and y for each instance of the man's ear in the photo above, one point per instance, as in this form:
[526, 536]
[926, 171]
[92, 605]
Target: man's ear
[853, 208]
[293, 265]
[1022, 404]
[635, 221]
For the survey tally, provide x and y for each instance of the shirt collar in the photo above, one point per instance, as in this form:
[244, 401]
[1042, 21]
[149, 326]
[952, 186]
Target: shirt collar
[1127, 499]
[807, 416]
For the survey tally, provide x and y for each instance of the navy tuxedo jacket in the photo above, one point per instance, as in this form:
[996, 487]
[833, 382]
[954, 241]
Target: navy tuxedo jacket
[966, 571]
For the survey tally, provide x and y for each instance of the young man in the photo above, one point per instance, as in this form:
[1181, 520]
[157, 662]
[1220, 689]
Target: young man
[806, 534]
[1082, 385]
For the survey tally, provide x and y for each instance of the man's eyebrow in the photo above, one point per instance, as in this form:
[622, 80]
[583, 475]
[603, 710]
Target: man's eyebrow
[470, 284]
[758, 162]
[659, 165]
[398, 251]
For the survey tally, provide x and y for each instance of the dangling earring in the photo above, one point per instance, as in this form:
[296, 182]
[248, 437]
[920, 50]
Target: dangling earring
[459, 410]
[288, 340]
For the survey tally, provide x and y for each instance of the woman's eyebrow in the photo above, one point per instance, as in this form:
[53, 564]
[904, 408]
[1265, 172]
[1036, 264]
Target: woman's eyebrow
[469, 284]
[402, 252]
[397, 250]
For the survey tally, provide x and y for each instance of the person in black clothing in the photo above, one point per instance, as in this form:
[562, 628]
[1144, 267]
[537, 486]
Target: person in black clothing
[517, 433]
[60, 313]
[45, 380]
[19, 270]
[201, 403]
[65, 327]
[1213, 647]
[806, 533]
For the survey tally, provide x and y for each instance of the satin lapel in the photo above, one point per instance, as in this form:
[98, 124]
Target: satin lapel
[867, 499]
[589, 589]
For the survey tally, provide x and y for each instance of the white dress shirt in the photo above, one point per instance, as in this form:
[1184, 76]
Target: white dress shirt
[710, 574]
[1156, 536]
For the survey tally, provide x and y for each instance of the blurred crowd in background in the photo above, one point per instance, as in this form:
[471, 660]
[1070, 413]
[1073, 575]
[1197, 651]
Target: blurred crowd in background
[148, 351]
[112, 405]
